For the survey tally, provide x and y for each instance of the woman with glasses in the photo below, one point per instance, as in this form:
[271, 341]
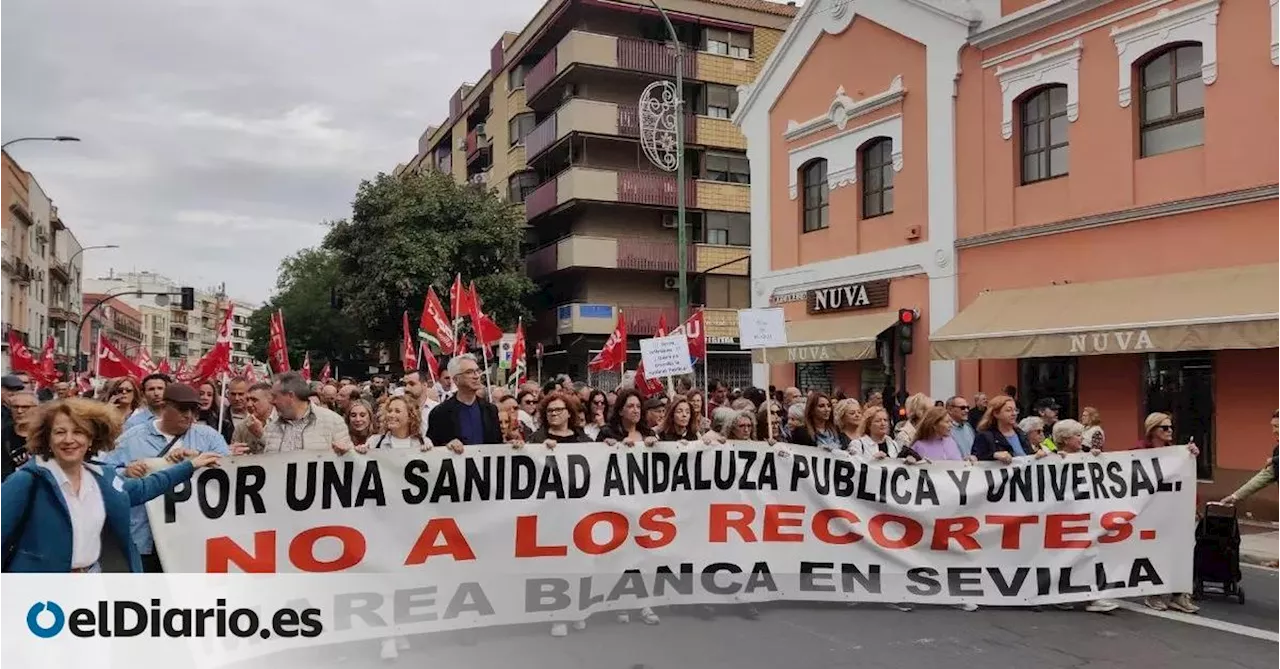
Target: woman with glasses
[527, 403]
[122, 394]
[596, 410]
[22, 405]
[1158, 433]
[560, 416]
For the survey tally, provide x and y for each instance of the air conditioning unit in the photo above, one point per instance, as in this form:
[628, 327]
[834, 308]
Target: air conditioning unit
[669, 221]
[480, 130]
[671, 282]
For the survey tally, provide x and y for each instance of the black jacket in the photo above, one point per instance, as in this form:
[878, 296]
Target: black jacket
[989, 442]
[616, 433]
[578, 437]
[442, 422]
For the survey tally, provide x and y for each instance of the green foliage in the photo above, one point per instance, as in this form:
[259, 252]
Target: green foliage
[413, 231]
[311, 323]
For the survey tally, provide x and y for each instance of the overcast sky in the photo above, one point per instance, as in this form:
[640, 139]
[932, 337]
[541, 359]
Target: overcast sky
[220, 134]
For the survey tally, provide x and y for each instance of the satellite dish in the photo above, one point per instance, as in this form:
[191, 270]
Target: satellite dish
[162, 300]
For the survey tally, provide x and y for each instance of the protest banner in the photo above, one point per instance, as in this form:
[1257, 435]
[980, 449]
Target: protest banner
[503, 536]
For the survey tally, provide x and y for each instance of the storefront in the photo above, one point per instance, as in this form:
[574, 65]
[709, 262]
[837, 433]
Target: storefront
[1201, 346]
[839, 337]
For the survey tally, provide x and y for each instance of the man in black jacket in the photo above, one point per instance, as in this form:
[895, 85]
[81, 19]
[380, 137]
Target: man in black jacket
[464, 419]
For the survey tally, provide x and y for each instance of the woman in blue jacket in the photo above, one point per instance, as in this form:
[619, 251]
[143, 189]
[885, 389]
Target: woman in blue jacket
[62, 512]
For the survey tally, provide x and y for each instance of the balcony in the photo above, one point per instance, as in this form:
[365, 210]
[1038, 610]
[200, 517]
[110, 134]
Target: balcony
[623, 53]
[478, 145]
[723, 196]
[585, 251]
[65, 314]
[59, 270]
[602, 185]
[599, 319]
[722, 259]
[593, 117]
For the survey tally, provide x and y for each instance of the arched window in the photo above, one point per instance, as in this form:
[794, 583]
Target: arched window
[876, 159]
[813, 176]
[1172, 100]
[1044, 134]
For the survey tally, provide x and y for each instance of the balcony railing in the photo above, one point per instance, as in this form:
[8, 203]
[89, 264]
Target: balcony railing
[542, 261]
[542, 136]
[629, 124]
[541, 200]
[540, 75]
[653, 57]
[651, 254]
[643, 321]
[653, 188]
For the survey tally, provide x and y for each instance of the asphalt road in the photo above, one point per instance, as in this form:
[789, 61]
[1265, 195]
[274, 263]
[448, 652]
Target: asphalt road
[866, 637]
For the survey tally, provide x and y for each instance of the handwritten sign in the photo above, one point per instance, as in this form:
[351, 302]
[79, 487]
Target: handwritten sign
[762, 328]
[666, 356]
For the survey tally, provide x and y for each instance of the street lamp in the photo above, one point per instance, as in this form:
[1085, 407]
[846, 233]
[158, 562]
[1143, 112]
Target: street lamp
[72, 259]
[661, 112]
[55, 138]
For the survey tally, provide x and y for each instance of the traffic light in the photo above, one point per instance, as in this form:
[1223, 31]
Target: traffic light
[188, 298]
[906, 329]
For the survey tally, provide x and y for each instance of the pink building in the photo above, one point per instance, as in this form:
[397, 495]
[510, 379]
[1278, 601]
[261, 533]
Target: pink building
[1078, 198]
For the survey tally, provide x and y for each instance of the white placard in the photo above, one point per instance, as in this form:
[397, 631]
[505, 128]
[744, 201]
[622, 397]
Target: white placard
[761, 328]
[666, 356]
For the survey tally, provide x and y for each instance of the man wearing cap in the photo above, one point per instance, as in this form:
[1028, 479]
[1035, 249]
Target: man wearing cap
[1047, 409]
[9, 385]
[157, 444]
[655, 411]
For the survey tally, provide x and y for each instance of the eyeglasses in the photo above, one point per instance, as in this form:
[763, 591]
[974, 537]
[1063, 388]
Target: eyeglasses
[21, 407]
[962, 407]
[468, 372]
[1164, 427]
[551, 410]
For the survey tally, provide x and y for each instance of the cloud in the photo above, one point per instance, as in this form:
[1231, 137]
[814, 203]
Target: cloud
[219, 135]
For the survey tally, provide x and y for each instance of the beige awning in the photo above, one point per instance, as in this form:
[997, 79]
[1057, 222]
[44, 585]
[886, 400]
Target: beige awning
[823, 339]
[1231, 308]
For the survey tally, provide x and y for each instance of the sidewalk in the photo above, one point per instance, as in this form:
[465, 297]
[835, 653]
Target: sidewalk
[1259, 543]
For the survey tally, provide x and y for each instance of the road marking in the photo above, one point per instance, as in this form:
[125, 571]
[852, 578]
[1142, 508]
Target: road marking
[1202, 621]
[1259, 567]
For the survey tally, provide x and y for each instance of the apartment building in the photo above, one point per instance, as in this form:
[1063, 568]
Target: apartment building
[554, 125]
[155, 331]
[41, 265]
[1078, 199]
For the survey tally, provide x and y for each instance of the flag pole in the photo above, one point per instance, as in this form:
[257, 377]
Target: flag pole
[484, 352]
[222, 403]
[97, 357]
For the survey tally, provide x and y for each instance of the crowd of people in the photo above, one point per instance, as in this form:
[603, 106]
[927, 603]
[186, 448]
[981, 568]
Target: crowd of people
[138, 438]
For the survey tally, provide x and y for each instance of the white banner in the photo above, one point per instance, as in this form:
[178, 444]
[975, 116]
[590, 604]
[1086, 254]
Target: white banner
[433, 541]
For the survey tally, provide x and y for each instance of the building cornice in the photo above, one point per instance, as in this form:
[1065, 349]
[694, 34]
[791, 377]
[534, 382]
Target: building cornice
[844, 109]
[1190, 205]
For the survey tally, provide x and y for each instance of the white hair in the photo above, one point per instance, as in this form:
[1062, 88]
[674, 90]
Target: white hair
[1030, 424]
[1065, 429]
[722, 418]
[455, 363]
[796, 410]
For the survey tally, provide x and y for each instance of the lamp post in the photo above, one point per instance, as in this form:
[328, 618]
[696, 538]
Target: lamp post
[72, 259]
[55, 138]
[661, 115]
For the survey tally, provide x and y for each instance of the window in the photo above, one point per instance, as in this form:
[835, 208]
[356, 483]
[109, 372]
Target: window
[877, 177]
[728, 292]
[718, 101]
[1039, 378]
[521, 125]
[813, 178]
[1044, 135]
[516, 75]
[520, 185]
[728, 229]
[726, 43]
[1172, 101]
[726, 167]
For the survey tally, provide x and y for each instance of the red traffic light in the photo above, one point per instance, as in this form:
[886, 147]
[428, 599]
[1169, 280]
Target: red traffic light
[906, 315]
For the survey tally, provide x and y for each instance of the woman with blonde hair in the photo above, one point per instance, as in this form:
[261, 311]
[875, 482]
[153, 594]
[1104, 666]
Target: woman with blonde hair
[916, 405]
[934, 440]
[875, 442]
[999, 437]
[402, 426]
[1157, 432]
[848, 417]
[360, 422]
[64, 512]
[1094, 438]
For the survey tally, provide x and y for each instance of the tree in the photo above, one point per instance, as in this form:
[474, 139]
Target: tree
[312, 323]
[412, 231]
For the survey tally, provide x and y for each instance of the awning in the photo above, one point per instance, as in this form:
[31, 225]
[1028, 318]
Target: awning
[826, 339]
[1231, 308]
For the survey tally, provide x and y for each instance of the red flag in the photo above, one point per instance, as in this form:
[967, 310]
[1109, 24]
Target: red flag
[164, 367]
[218, 359]
[695, 331]
[49, 361]
[519, 362]
[20, 359]
[614, 353]
[112, 363]
[326, 375]
[182, 373]
[433, 365]
[83, 383]
[409, 354]
[459, 299]
[486, 330]
[434, 327]
[277, 351]
[144, 360]
[462, 345]
[306, 366]
[250, 374]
